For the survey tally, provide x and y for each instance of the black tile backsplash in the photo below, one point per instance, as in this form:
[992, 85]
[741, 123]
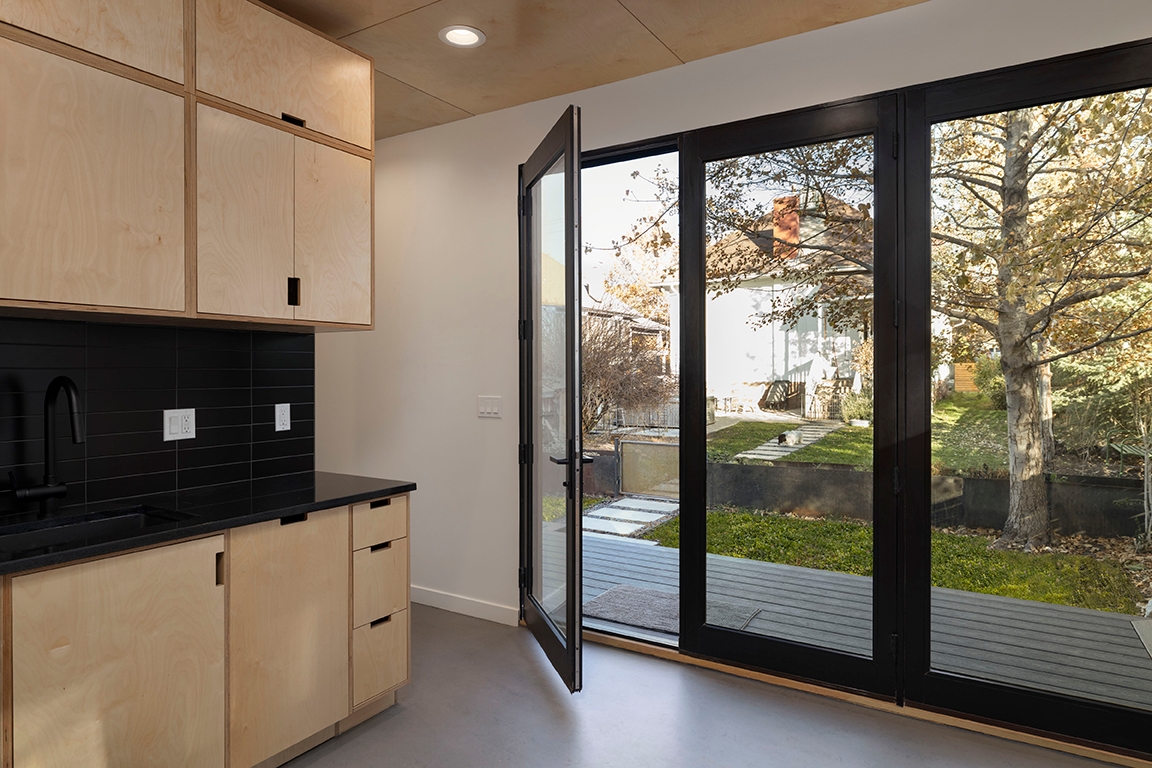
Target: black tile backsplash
[127, 375]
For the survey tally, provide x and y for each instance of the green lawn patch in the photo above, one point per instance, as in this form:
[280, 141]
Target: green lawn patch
[847, 445]
[958, 562]
[724, 444]
[968, 434]
[555, 506]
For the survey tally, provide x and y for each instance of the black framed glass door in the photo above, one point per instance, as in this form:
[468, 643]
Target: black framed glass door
[550, 442]
[788, 518]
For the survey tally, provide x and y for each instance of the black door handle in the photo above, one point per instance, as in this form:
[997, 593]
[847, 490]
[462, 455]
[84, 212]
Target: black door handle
[583, 460]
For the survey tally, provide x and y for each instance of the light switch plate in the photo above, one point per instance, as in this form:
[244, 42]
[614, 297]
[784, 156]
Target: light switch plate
[283, 417]
[488, 406]
[179, 424]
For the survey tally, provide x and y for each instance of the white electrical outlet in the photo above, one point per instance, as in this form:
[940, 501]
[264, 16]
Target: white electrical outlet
[179, 424]
[488, 406]
[283, 417]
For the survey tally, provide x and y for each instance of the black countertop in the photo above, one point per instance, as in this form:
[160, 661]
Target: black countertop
[104, 531]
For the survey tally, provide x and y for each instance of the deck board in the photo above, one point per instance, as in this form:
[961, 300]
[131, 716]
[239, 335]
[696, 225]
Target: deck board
[1061, 649]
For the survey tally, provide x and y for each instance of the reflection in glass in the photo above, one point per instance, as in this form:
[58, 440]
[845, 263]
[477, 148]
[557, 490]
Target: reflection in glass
[1041, 253]
[789, 386]
[550, 420]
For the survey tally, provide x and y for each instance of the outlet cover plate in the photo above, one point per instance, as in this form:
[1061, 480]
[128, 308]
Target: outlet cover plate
[283, 417]
[179, 424]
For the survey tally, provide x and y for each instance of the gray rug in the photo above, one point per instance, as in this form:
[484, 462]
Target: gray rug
[655, 609]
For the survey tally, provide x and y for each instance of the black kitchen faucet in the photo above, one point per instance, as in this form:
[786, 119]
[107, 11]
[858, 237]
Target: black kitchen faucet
[51, 488]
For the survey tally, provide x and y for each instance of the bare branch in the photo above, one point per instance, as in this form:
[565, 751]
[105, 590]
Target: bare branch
[968, 317]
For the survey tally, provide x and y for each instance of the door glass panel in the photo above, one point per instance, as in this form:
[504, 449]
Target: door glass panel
[1041, 251]
[549, 420]
[789, 260]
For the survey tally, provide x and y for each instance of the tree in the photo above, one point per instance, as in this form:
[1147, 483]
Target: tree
[617, 373]
[1041, 248]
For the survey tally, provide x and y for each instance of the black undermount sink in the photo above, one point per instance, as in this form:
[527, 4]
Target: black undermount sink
[57, 533]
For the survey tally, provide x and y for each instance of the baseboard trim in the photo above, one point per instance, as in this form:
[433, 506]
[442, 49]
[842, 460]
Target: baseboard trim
[469, 606]
[909, 710]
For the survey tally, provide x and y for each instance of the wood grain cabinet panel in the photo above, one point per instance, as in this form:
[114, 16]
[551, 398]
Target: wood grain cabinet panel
[333, 236]
[120, 662]
[251, 56]
[244, 216]
[379, 657]
[375, 522]
[91, 185]
[288, 633]
[145, 34]
[379, 581]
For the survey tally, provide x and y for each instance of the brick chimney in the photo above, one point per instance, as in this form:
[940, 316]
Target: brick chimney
[785, 225]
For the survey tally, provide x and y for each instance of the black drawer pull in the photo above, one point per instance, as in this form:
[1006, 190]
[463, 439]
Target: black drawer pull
[378, 547]
[379, 503]
[378, 622]
[299, 121]
[301, 518]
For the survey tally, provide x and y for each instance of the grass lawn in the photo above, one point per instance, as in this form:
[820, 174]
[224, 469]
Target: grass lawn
[724, 444]
[967, 434]
[847, 445]
[555, 506]
[958, 562]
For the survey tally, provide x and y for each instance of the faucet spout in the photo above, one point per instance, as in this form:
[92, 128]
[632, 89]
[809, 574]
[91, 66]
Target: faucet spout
[58, 384]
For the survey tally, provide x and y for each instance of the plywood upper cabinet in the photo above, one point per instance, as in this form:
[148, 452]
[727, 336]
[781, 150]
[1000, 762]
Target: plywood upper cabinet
[145, 34]
[288, 633]
[333, 235]
[91, 185]
[244, 216]
[251, 56]
[121, 661]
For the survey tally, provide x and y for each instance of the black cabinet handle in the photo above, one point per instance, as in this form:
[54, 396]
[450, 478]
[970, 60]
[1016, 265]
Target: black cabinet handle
[379, 503]
[378, 547]
[293, 291]
[297, 121]
[301, 518]
[378, 622]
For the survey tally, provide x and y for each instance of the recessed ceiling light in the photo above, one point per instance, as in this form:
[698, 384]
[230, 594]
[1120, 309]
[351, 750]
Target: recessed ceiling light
[462, 36]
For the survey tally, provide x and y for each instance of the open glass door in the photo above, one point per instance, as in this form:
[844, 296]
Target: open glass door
[550, 434]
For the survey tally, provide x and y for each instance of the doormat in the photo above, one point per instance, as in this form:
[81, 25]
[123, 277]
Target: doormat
[659, 610]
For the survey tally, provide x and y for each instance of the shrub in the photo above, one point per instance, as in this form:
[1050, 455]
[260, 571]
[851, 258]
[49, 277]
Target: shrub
[989, 379]
[856, 405]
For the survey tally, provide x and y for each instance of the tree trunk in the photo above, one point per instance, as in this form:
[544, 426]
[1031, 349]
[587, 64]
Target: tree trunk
[1028, 514]
[1044, 392]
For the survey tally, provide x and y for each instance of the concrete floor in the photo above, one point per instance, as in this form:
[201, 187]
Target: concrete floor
[484, 695]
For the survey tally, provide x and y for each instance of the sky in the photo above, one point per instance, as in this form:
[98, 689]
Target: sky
[606, 214]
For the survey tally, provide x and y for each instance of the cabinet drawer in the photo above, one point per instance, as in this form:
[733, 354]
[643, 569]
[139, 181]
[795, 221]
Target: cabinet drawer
[375, 522]
[379, 657]
[379, 581]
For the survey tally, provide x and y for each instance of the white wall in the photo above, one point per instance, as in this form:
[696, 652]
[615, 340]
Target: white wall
[400, 402]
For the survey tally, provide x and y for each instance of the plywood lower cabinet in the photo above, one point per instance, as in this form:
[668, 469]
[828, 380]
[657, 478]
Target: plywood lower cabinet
[288, 633]
[120, 661]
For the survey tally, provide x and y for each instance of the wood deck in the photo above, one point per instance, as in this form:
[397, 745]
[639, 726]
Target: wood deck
[1072, 651]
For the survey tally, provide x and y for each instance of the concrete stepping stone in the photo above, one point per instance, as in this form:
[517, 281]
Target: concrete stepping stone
[610, 526]
[647, 505]
[627, 514]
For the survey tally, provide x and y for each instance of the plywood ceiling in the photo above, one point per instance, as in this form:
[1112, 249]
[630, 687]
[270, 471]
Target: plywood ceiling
[542, 48]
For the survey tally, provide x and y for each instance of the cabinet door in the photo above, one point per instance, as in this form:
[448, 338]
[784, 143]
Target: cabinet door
[251, 56]
[91, 185]
[333, 234]
[288, 633]
[121, 661]
[243, 216]
[145, 34]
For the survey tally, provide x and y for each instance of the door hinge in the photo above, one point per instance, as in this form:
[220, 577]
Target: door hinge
[523, 453]
[896, 481]
[896, 312]
[894, 646]
[522, 331]
[895, 144]
[523, 578]
[519, 205]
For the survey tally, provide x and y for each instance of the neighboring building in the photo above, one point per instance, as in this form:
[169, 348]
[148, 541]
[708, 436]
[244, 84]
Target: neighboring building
[758, 364]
